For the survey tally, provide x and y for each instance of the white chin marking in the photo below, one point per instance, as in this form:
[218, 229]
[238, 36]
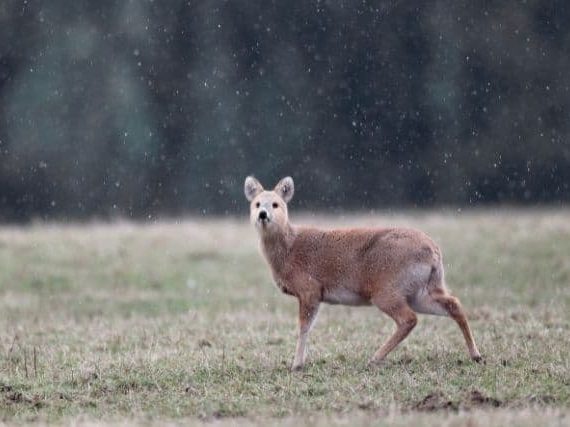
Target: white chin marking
[262, 224]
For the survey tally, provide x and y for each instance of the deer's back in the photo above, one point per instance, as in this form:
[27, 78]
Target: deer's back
[360, 259]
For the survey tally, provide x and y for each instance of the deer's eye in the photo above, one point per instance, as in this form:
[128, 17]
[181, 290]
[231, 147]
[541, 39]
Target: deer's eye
[257, 204]
[275, 205]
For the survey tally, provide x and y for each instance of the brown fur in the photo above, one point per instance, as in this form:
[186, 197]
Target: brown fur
[397, 269]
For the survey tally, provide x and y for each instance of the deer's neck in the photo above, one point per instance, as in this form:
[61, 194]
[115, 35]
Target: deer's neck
[276, 247]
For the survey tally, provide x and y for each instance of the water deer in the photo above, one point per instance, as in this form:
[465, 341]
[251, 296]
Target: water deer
[399, 270]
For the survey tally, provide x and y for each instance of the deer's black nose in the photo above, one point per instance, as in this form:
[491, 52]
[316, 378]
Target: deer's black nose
[262, 214]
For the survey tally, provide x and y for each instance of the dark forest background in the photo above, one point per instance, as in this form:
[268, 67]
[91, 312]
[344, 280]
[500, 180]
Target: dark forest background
[146, 108]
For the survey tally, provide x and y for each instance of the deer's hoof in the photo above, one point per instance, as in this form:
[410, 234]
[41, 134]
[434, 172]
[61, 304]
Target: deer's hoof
[478, 359]
[297, 367]
[375, 363]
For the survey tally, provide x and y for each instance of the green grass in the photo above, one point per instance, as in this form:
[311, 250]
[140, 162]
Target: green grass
[181, 322]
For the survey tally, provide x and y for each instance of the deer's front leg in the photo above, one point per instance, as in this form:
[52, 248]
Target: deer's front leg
[308, 310]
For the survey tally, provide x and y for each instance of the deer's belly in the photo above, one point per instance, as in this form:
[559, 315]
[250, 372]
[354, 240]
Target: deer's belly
[343, 296]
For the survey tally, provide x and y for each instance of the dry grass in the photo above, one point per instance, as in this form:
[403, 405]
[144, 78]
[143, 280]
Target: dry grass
[128, 323]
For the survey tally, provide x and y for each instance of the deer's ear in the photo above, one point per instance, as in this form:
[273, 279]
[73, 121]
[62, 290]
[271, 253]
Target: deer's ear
[285, 189]
[251, 188]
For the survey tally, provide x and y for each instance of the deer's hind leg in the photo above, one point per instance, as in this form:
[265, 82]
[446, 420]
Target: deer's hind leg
[454, 309]
[433, 298]
[399, 310]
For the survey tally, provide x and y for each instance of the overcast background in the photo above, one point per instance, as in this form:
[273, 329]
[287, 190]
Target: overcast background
[147, 108]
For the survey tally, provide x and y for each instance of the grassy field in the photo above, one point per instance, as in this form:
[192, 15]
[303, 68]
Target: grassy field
[180, 322]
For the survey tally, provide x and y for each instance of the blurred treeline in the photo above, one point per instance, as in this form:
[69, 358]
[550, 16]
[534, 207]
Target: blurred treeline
[140, 108]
